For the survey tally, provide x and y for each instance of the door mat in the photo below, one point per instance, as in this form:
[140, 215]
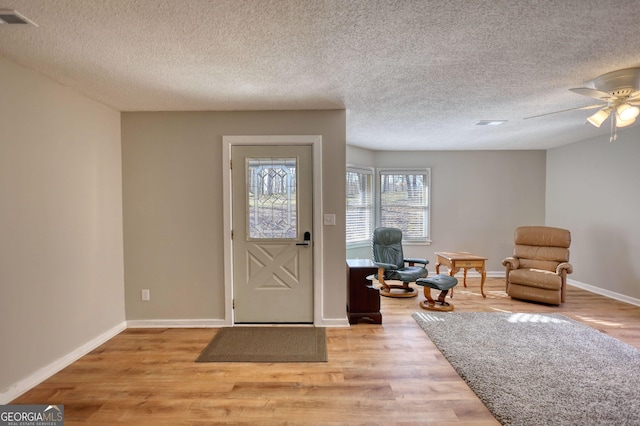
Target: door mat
[267, 344]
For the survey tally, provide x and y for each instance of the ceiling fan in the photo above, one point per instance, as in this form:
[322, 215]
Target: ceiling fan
[620, 92]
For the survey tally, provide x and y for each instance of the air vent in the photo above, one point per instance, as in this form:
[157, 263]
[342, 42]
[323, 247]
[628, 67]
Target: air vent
[12, 17]
[490, 122]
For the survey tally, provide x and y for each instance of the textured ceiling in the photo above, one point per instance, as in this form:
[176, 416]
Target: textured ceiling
[411, 74]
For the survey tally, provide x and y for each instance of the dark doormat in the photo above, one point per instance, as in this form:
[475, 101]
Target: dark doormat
[267, 344]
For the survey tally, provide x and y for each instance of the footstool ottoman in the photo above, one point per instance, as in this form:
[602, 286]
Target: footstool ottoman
[440, 282]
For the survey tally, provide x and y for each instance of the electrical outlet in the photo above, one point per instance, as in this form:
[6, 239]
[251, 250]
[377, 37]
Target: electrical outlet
[146, 295]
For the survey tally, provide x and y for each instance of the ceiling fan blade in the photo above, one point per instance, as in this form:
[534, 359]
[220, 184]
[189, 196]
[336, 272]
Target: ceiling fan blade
[566, 110]
[592, 93]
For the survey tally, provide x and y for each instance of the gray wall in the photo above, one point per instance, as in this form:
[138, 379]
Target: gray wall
[477, 198]
[61, 261]
[173, 212]
[593, 189]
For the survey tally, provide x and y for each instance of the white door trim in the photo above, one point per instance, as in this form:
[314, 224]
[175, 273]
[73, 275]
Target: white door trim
[316, 142]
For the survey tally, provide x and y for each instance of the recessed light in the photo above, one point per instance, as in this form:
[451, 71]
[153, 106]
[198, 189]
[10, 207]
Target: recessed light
[490, 122]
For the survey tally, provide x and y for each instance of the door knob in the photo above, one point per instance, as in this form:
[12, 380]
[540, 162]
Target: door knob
[307, 240]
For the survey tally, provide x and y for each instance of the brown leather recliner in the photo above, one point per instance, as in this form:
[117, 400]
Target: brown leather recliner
[538, 269]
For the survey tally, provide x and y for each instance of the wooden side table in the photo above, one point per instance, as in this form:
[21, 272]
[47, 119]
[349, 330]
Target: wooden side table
[363, 299]
[462, 260]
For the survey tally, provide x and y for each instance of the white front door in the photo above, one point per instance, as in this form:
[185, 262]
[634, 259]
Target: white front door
[272, 217]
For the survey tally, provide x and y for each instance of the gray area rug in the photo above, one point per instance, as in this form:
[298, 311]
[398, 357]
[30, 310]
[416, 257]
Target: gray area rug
[267, 344]
[540, 369]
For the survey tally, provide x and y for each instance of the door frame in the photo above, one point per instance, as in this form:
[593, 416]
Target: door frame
[316, 143]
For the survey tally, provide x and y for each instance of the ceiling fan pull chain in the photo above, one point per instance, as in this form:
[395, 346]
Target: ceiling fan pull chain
[614, 128]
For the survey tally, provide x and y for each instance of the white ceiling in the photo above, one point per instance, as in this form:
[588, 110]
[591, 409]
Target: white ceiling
[412, 75]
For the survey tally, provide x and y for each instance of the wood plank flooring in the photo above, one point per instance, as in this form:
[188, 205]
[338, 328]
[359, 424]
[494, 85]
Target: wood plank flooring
[376, 374]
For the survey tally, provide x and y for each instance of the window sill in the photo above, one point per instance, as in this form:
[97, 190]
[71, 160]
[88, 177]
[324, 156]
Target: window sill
[416, 243]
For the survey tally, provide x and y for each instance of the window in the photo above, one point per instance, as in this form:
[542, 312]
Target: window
[403, 202]
[272, 198]
[359, 205]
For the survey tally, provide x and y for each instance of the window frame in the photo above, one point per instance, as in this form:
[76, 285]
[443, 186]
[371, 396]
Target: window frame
[426, 172]
[371, 172]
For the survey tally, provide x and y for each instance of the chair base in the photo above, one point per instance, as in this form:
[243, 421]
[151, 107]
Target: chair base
[404, 291]
[434, 305]
[534, 294]
[440, 282]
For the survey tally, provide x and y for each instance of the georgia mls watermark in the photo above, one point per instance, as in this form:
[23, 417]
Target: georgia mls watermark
[31, 415]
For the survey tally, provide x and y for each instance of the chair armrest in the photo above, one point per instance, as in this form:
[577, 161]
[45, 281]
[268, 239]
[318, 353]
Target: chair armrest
[511, 262]
[416, 260]
[564, 266]
[386, 265]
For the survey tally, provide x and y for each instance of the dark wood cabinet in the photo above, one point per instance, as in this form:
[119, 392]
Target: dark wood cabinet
[363, 299]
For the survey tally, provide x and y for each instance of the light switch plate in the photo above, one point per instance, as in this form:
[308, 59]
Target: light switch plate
[330, 219]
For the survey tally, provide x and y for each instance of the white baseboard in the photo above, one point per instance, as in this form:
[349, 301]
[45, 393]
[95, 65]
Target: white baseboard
[333, 322]
[178, 323]
[604, 292]
[45, 372]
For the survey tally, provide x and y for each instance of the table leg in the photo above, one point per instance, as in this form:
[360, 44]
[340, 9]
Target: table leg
[437, 268]
[464, 281]
[452, 272]
[484, 276]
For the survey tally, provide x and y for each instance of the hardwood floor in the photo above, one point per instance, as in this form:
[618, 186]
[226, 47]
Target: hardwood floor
[376, 374]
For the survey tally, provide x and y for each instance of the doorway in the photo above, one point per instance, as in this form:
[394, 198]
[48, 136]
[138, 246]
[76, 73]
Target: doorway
[271, 256]
[272, 215]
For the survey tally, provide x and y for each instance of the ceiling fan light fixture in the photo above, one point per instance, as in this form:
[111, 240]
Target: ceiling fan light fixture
[598, 118]
[623, 123]
[627, 113]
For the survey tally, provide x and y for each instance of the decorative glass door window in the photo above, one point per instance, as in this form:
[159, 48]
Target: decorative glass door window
[272, 198]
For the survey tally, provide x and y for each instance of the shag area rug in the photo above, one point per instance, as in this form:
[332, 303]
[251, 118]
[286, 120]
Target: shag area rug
[267, 344]
[540, 369]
